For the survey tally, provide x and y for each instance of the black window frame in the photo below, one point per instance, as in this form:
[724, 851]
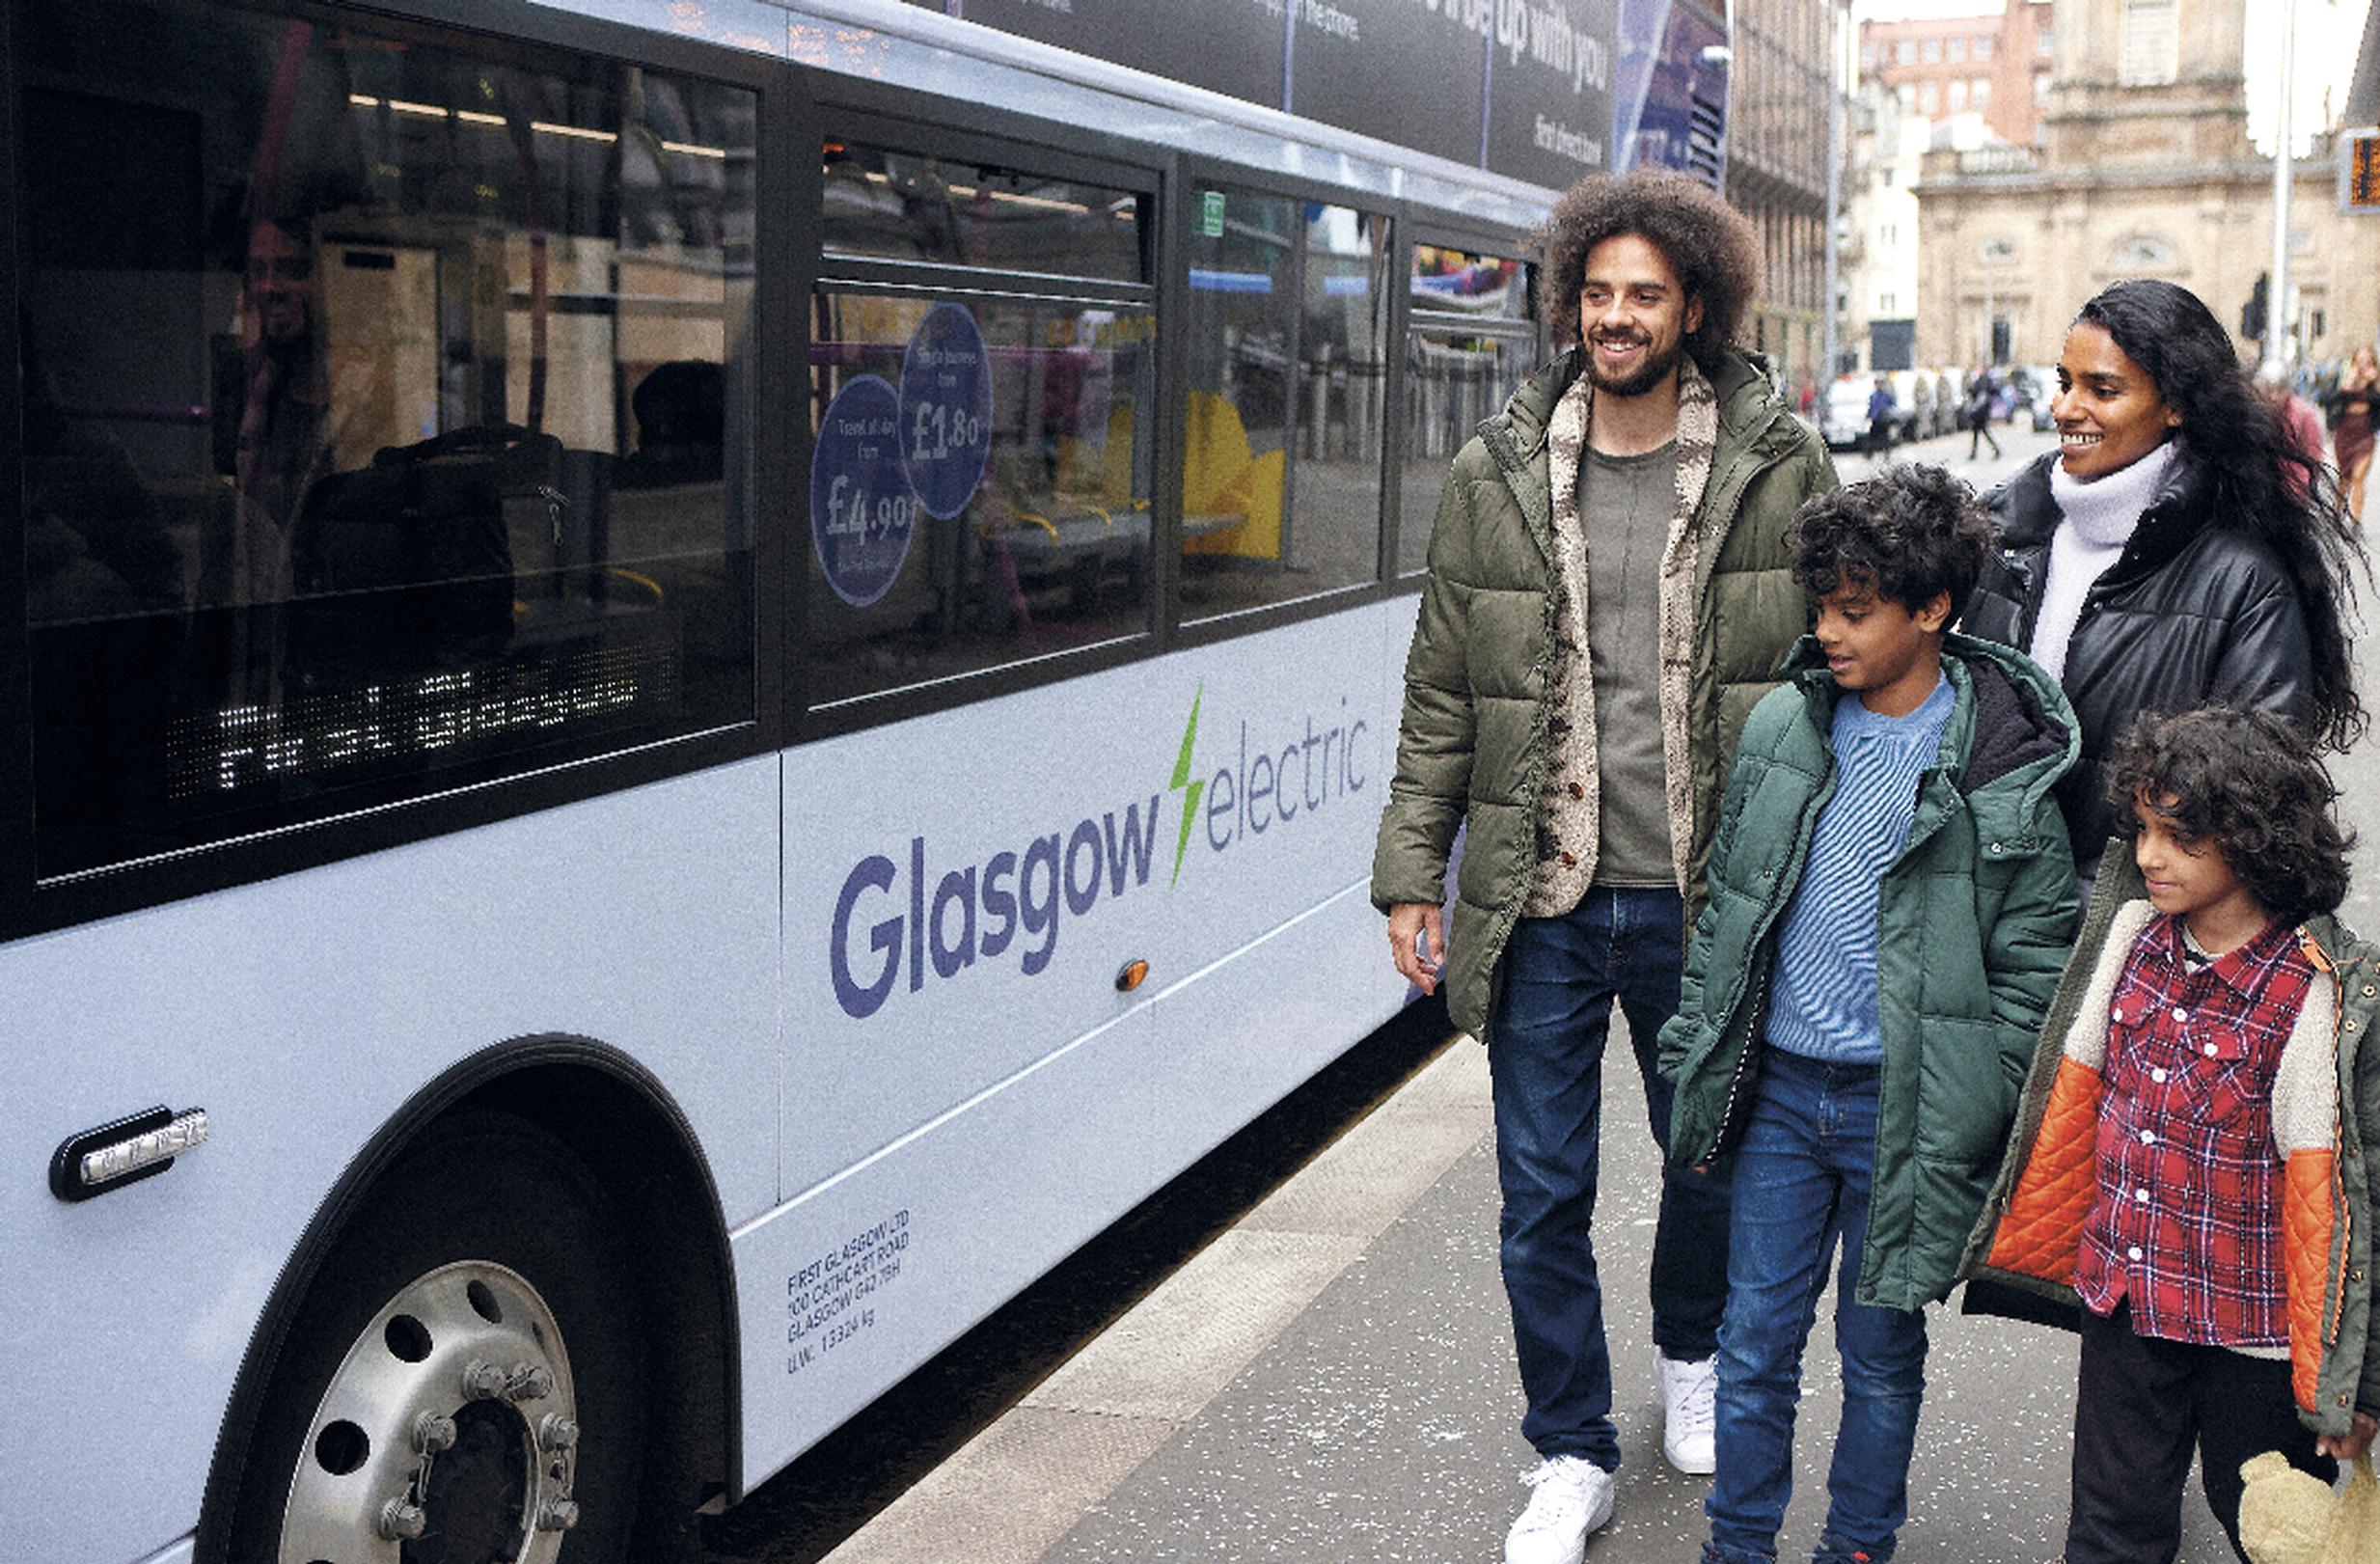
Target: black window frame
[1208, 174]
[501, 27]
[904, 119]
[1527, 326]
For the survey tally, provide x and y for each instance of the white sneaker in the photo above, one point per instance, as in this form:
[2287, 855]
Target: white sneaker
[1690, 1412]
[1572, 1497]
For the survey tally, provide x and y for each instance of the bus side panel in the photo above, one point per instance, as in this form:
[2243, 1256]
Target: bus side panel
[300, 1014]
[845, 1291]
[975, 1121]
[962, 890]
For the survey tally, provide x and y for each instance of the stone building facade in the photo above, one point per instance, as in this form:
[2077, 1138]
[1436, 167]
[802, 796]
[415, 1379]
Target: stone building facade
[2143, 170]
[1776, 170]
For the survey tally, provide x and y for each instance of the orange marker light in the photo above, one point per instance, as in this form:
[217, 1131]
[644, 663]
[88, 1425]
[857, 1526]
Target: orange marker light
[1130, 975]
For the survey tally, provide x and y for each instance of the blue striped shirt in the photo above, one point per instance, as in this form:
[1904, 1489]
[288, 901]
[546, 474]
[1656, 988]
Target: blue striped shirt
[1822, 1001]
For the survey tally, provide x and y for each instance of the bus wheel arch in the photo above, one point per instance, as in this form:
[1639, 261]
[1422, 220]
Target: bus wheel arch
[629, 1165]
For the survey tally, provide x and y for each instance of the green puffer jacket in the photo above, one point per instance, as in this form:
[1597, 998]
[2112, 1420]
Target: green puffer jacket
[1974, 918]
[1474, 739]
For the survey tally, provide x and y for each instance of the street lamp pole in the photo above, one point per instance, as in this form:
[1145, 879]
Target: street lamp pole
[2278, 326]
[1835, 10]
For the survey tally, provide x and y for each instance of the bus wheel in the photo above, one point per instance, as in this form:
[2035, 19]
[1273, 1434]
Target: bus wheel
[461, 1383]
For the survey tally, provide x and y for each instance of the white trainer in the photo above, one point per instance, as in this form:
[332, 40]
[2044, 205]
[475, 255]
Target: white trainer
[1690, 1412]
[1572, 1497]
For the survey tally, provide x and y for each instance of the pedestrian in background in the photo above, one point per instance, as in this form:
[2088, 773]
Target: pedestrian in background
[1981, 389]
[2355, 406]
[1585, 734]
[1880, 417]
[1891, 899]
[2299, 420]
[2177, 548]
[2214, 1090]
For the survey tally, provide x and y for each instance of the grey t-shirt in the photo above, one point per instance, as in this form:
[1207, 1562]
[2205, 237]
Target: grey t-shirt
[1625, 505]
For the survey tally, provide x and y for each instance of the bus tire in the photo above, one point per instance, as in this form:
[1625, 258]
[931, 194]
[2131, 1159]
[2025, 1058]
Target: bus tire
[464, 1373]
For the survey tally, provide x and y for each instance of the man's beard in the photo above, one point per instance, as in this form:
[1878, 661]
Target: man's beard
[1656, 367]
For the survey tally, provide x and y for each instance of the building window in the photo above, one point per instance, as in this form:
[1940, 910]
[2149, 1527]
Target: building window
[1958, 97]
[1886, 301]
[1867, 54]
[2045, 42]
[1887, 172]
[2151, 44]
[1929, 97]
[1930, 51]
[1905, 52]
[1888, 234]
[1906, 94]
[1958, 47]
[1982, 46]
[2041, 90]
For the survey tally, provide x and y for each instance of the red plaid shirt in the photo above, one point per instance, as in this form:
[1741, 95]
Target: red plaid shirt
[2187, 1223]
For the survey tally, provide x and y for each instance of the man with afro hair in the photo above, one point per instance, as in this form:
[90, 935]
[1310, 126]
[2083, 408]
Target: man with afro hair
[1608, 596]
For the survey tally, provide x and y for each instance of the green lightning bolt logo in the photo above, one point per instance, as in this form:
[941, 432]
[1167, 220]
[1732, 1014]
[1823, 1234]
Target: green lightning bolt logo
[1181, 781]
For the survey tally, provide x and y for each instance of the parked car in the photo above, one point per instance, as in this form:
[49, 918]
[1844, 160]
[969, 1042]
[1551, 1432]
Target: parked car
[1844, 421]
[1949, 396]
[2044, 378]
[1913, 402]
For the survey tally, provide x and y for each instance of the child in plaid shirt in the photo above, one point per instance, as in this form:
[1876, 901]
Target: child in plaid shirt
[2188, 1159]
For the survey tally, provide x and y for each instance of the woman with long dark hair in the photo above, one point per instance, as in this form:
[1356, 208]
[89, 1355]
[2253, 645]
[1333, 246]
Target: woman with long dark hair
[2177, 549]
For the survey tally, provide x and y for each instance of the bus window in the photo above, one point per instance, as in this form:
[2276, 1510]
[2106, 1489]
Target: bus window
[979, 488]
[1286, 340]
[386, 418]
[981, 460]
[1468, 347]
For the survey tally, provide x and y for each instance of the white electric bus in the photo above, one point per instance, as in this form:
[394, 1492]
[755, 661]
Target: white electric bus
[693, 682]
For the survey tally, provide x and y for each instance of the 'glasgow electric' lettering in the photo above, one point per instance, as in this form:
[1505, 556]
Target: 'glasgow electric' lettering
[958, 916]
[1013, 892]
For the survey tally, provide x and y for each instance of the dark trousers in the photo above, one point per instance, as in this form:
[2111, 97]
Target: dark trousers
[1979, 429]
[2143, 1404]
[1562, 976]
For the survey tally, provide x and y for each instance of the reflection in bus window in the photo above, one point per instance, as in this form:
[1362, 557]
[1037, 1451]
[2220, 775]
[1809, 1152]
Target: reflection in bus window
[1288, 370]
[1468, 347]
[895, 205]
[335, 492]
[979, 486]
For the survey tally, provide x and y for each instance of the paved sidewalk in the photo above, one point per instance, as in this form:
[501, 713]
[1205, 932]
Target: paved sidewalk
[1333, 1382]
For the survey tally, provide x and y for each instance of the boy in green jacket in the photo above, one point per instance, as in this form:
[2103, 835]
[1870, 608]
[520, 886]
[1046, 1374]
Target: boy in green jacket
[1891, 901]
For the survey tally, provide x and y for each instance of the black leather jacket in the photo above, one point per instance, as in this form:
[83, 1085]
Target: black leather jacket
[2192, 611]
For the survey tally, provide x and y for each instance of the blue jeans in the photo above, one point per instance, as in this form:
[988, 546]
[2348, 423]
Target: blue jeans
[1561, 976]
[1802, 1175]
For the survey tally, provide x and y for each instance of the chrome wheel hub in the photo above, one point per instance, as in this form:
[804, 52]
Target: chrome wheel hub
[449, 1434]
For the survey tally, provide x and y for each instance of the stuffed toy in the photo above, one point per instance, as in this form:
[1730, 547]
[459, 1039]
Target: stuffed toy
[2286, 1517]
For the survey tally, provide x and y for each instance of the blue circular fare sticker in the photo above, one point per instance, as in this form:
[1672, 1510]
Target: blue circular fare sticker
[946, 410]
[862, 513]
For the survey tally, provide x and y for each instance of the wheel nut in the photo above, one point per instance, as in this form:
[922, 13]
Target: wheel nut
[555, 1433]
[557, 1515]
[401, 1521]
[529, 1382]
[481, 1380]
[434, 1432]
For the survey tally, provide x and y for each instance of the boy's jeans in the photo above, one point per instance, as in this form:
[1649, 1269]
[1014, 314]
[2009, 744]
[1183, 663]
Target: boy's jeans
[1802, 1172]
[1561, 978]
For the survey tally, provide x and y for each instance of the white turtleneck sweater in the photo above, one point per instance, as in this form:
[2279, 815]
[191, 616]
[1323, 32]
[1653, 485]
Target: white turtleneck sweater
[2097, 517]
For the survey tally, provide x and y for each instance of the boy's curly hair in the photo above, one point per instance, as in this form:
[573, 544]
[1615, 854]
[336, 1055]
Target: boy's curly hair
[2249, 784]
[1907, 532]
[1713, 247]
